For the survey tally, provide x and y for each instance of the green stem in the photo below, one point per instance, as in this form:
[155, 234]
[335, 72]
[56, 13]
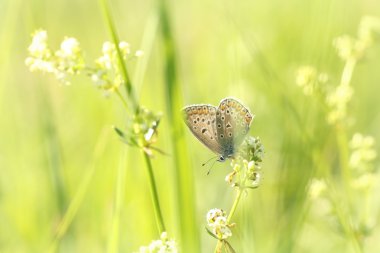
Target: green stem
[153, 191]
[342, 142]
[232, 211]
[347, 72]
[234, 206]
[122, 99]
[122, 66]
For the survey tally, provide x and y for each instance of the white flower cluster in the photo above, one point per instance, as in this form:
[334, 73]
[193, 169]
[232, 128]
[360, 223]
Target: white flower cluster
[66, 61]
[107, 75]
[308, 78]
[164, 245]
[217, 221]
[338, 100]
[354, 48]
[362, 153]
[245, 174]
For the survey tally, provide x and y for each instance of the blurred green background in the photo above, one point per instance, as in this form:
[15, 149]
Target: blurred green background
[246, 49]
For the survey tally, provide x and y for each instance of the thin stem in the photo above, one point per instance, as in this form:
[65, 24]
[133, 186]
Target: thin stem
[123, 68]
[135, 109]
[347, 71]
[342, 142]
[232, 211]
[234, 206]
[153, 191]
[117, 91]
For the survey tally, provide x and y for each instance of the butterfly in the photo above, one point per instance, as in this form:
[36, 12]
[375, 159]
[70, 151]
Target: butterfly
[222, 129]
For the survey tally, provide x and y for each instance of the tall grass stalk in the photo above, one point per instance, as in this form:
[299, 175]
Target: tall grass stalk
[183, 175]
[133, 103]
[127, 81]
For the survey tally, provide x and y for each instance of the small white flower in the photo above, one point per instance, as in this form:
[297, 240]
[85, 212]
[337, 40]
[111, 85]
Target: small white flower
[213, 214]
[306, 78]
[125, 48]
[225, 232]
[363, 152]
[338, 100]
[108, 48]
[340, 96]
[70, 47]
[104, 62]
[139, 53]
[40, 64]
[217, 220]
[164, 245]
[345, 46]
[38, 48]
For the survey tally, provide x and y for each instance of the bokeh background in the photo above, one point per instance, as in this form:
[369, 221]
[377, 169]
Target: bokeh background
[57, 140]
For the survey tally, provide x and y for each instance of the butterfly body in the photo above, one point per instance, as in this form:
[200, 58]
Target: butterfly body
[222, 129]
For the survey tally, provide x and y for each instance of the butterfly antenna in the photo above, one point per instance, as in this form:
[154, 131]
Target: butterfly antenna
[209, 170]
[203, 164]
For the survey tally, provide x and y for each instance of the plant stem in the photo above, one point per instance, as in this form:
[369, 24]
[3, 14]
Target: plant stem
[117, 91]
[340, 127]
[234, 206]
[342, 142]
[154, 194]
[135, 108]
[232, 211]
[122, 66]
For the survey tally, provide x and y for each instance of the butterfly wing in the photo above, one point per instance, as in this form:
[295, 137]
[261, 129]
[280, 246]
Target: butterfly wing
[232, 124]
[201, 120]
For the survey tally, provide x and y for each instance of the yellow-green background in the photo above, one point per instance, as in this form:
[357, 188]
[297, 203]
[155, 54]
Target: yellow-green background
[246, 49]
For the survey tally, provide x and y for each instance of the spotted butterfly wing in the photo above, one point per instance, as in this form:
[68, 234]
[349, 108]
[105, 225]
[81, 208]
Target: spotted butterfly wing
[201, 120]
[232, 124]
